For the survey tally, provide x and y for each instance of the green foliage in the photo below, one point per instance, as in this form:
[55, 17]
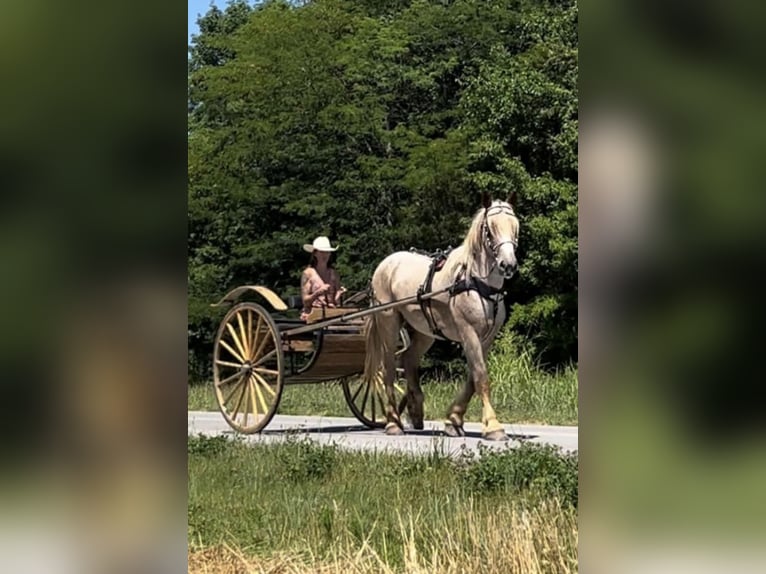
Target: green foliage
[301, 459]
[243, 494]
[523, 390]
[541, 469]
[207, 445]
[377, 123]
[211, 47]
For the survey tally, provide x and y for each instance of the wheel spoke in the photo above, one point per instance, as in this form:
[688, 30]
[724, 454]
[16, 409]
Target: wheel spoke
[374, 395]
[267, 371]
[228, 379]
[239, 403]
[265, 384]
[266, 357]
[250, 341]
[237, 342]
[358, 390]
[245, 336]
[228, 364]
[262, 400]
[251, 387]
[245, 405]
[230, 395]
[232, 351]
[256, 332]
[364, 399]
[257, 353]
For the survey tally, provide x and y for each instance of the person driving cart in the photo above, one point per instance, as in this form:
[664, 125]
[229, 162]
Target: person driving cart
[320, 282]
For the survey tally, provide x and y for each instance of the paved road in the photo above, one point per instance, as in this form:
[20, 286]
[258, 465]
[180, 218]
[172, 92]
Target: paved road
[350, 433]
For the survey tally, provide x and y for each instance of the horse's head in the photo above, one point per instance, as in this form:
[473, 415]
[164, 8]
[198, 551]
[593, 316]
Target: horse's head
[501, 232]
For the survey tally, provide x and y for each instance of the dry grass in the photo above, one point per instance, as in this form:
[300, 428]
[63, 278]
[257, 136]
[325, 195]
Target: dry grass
[538, 540]
[297, 506]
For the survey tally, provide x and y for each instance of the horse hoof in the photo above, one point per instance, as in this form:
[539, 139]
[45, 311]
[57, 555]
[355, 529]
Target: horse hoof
[453, 430]
[496, 435]
[393, 429]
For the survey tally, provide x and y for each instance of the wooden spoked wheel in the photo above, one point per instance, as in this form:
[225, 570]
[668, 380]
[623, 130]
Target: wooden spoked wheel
[367, 401]
[248, 368]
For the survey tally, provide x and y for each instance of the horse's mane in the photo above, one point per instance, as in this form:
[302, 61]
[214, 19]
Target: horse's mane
[465, 254]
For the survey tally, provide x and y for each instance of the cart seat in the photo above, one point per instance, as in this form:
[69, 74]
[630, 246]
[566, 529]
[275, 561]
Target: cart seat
[321, 313]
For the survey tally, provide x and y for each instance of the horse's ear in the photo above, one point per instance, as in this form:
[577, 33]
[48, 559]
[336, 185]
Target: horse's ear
[512, 199]
[486, 199]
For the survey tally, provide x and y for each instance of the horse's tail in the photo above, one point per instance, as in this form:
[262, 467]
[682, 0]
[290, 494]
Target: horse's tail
[375, 350]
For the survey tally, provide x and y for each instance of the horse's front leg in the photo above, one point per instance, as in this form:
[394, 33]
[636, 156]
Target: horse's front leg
[477, 367]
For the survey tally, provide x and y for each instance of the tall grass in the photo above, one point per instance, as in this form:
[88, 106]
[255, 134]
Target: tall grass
[540, 540]
[301, 507]
[526, 391]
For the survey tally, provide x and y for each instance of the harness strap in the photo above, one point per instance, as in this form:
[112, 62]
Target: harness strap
[437, 262]
[485, 291]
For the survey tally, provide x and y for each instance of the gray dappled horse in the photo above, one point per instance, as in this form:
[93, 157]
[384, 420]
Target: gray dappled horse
[470, 313]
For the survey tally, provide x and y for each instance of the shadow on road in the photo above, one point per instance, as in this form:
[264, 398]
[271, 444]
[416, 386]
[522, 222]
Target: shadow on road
[343, 429]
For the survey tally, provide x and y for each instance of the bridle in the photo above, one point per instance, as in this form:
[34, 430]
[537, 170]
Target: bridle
[489, 241]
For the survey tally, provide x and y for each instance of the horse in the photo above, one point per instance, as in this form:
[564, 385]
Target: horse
[470, 312]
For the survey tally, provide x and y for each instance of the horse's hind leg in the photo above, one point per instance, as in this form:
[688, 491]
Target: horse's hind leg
[419, 344]
[389, 322]
[453, 426]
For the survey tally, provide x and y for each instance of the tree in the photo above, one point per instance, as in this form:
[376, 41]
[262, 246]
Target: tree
[378, 124]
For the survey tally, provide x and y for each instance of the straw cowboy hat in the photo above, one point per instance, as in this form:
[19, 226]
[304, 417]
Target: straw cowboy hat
[321, 243]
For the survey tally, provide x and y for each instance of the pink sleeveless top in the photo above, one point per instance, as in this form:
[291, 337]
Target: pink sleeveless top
[315, 282]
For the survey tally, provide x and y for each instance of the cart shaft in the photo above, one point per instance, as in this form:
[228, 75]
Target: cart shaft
[363, 313]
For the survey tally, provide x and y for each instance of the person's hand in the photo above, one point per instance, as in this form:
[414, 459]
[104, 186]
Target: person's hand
[323, 289]
[339, 293]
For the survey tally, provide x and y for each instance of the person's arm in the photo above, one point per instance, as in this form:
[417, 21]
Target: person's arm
[306, 294]
[339, 291]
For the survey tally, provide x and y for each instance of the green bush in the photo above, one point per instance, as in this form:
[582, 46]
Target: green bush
[207, 446]
[541, 469]
[302, 459]
[298, 496]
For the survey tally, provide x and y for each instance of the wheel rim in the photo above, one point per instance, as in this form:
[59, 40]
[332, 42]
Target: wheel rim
[248, 368]
[367, 401]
